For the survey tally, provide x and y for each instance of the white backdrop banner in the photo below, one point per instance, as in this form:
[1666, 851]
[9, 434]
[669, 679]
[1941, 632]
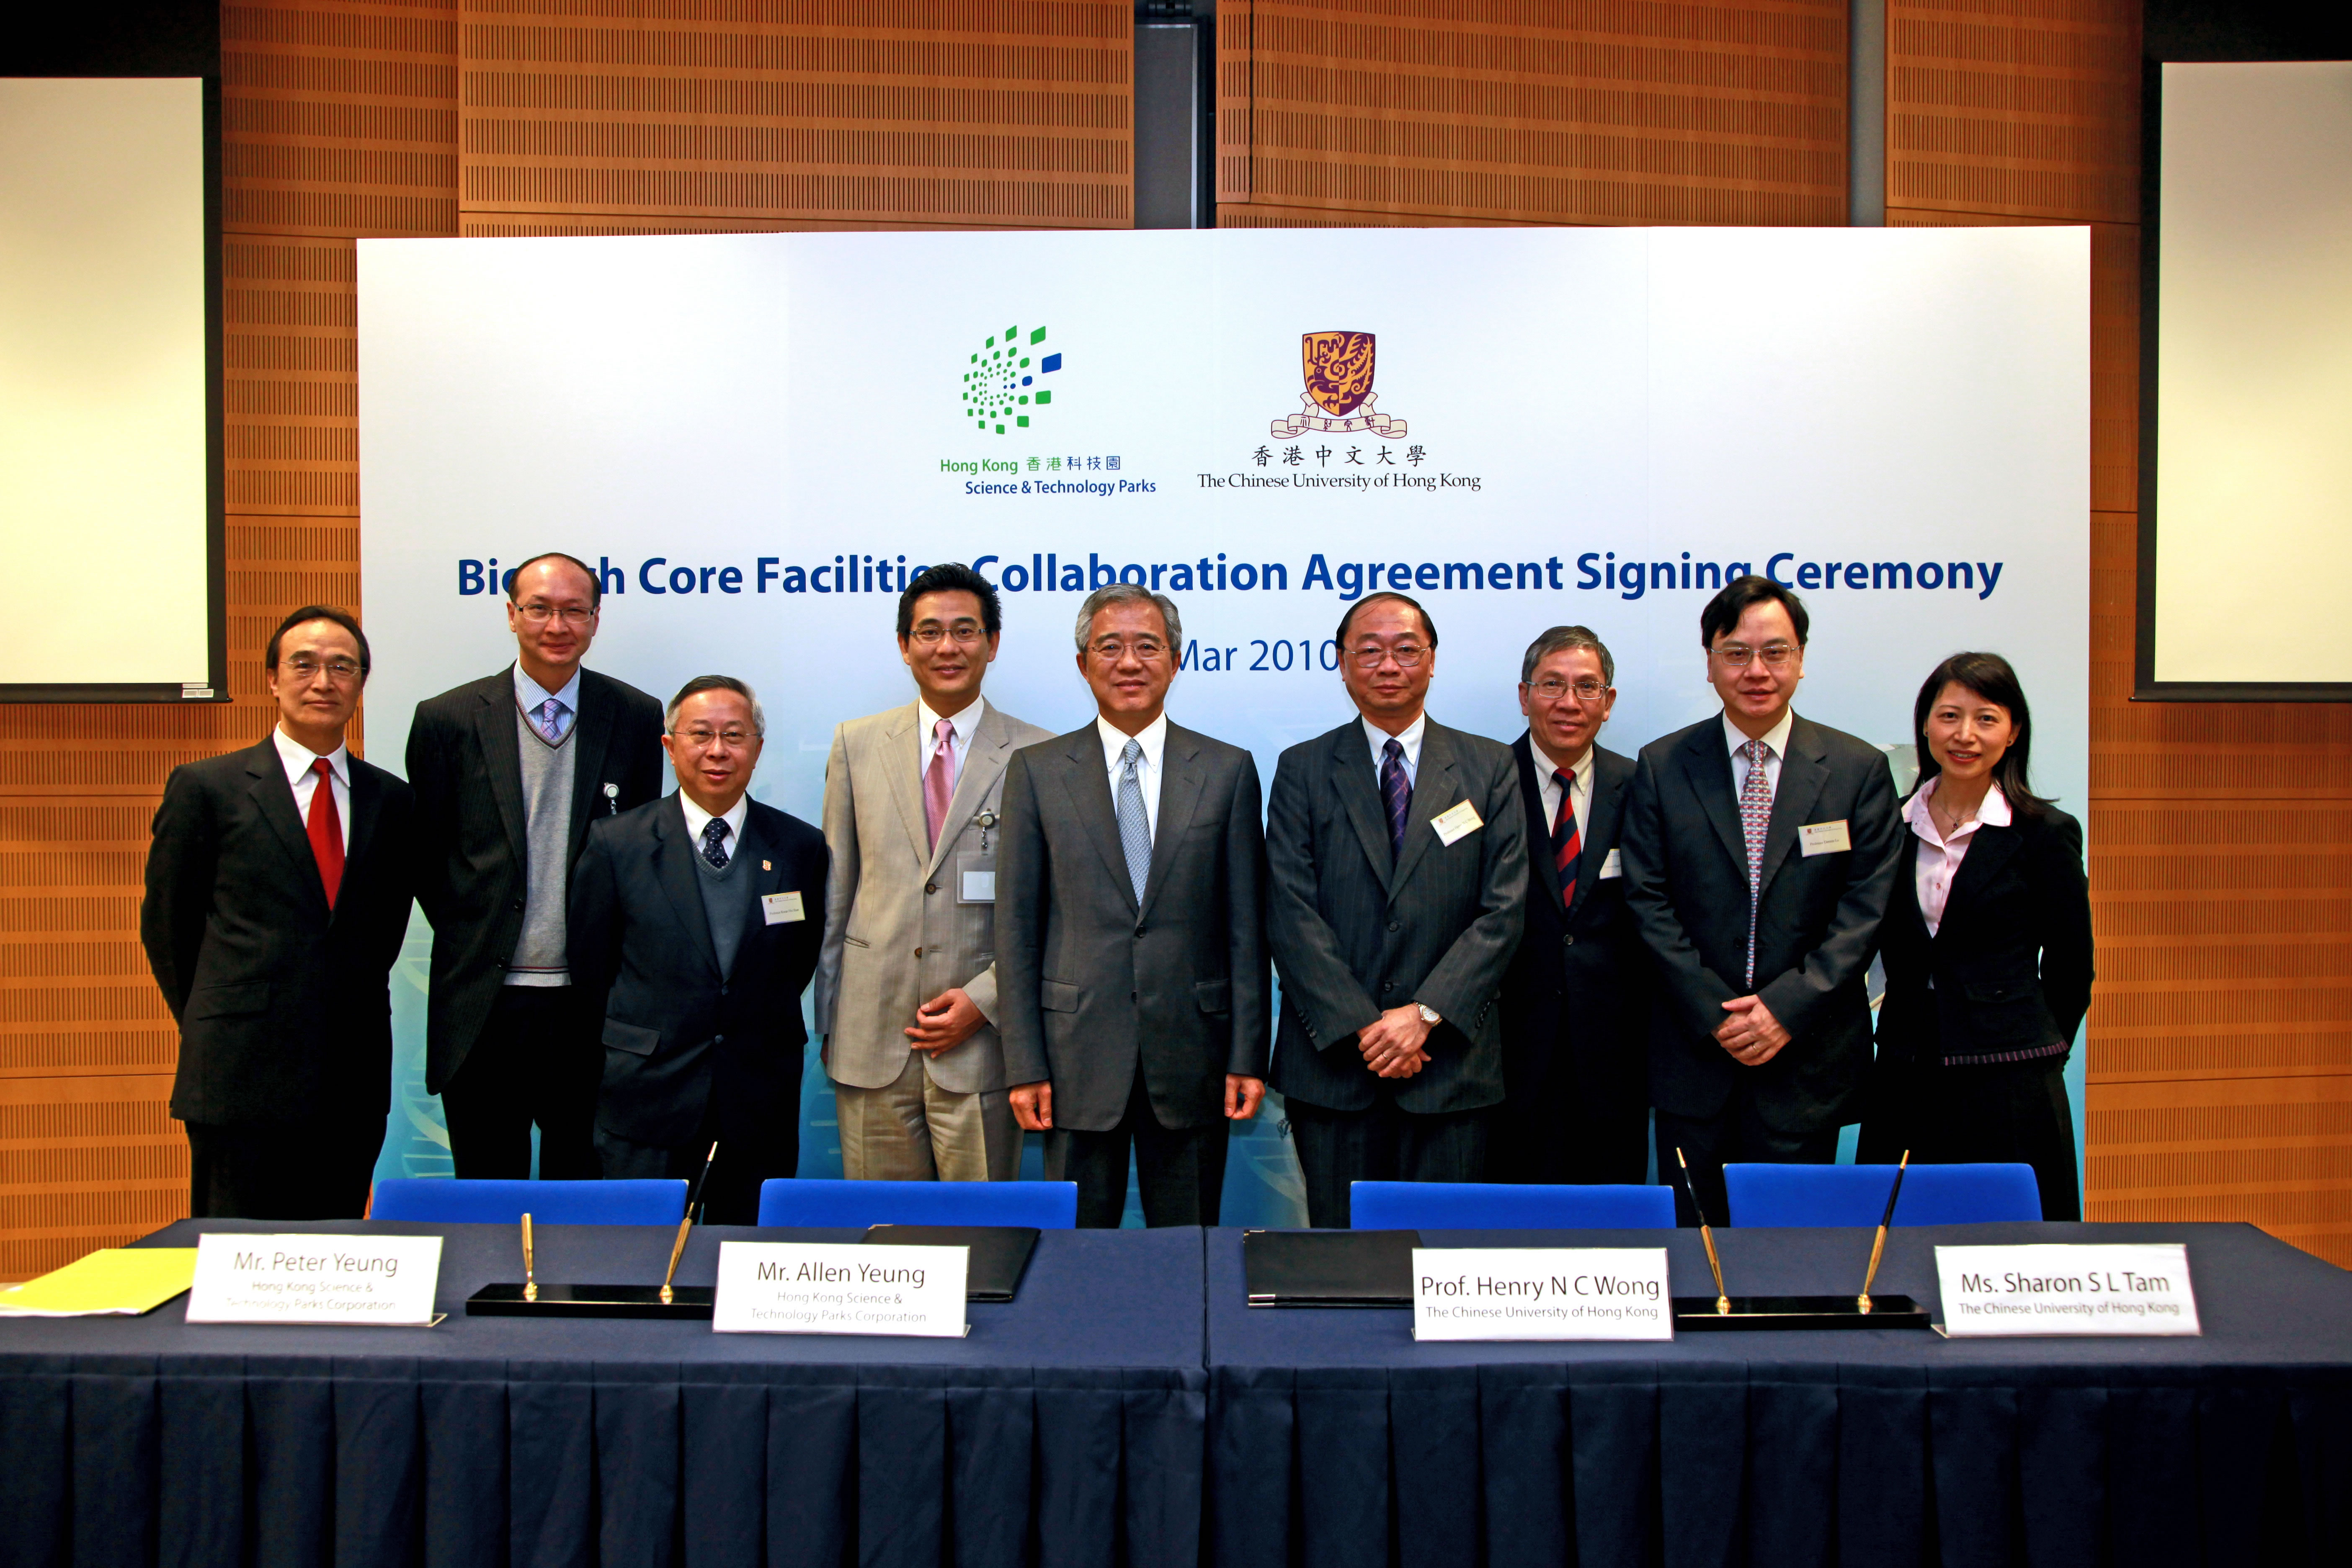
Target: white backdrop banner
[756, 437]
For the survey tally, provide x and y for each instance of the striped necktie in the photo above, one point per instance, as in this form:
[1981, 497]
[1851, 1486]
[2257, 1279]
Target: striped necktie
[1566, 841]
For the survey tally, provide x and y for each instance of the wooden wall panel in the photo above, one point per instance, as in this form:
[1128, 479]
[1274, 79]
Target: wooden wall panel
[1575, 112]
[1017, 114]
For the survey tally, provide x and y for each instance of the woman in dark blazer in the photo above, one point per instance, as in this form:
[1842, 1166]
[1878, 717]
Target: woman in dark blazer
[1987, 944]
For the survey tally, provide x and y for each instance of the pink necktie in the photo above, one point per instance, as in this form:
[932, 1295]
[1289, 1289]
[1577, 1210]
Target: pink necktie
[938, 779]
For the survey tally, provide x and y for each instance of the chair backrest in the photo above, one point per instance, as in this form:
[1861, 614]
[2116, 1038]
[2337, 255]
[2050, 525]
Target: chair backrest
[458, 1202]
[1480, 1205]
[1856, 1195]
[822, 1202]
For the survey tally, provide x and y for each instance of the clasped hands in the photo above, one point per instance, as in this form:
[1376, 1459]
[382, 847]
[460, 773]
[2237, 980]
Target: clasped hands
[1033, 1103]
[1751, 1033]
[1392, 1043]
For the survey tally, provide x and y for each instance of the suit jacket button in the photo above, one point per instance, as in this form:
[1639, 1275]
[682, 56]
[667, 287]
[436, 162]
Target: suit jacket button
[1387, 986]
[1396, 925]
[930, 887]
[518, 904]
[722, 991]
[918, 953]
[717, 1040]
[1567, 942]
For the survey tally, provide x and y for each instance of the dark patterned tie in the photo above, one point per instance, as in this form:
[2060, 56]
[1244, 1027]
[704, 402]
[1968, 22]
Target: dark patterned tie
[1567, 843]
[1396, 793]
[1756, 823]
[714, 843]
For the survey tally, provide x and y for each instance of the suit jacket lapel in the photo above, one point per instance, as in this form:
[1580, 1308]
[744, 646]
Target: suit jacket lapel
[1538, 824]
[677, 876]
[494, 723]
[1434, 793]
[1803, 774]
[1181, 778]
[1990, 848]
[1600, 815]
[1707, 764]
[902, 763]
[1352, 776]
[991, 747]
[276, 799]
[591, 737]
[367, 810]
[1088, 784]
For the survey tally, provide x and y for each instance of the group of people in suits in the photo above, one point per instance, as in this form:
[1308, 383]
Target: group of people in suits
[1494, 962]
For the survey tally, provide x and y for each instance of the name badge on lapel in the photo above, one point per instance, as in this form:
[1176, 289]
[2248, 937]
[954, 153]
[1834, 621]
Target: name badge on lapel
[975, 879]
[1612, 865]
[782, 909]
[1457, 824]
[1823, 837]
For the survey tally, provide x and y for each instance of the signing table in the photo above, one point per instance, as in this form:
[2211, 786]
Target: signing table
[1337, 1441]
[1065, 1429]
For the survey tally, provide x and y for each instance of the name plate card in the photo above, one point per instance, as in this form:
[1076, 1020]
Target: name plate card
[834, 1287]
[372, 1280]
[2057, 1290]
[1541, 1293]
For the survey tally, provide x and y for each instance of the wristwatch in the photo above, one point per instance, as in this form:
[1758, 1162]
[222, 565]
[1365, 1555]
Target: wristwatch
[1429, 1014]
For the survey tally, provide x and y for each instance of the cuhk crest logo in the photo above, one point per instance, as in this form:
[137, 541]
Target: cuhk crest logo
[1338, 369]
[1004, 381]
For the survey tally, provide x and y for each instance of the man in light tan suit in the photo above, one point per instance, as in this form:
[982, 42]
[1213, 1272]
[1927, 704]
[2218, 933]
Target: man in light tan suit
[906, 986]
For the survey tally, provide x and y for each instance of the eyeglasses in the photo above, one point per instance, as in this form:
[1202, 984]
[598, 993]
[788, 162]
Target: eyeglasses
[1551, 689]
[1407, 654]
[963, 632]
[538, 615]
[700, 740]
[1110, 650]
[1739, 656]
[302, 667]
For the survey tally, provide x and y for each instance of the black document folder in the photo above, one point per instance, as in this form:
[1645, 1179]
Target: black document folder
[1328, 1268]
[1000, 1253]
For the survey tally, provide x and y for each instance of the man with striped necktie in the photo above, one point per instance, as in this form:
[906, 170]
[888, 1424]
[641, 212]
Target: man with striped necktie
[1760, 850]
[1575, 999]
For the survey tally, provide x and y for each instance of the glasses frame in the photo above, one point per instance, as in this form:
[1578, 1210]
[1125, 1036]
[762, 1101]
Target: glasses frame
[1575, 688]
[538, 615]
[1740, 655]
[735, 741]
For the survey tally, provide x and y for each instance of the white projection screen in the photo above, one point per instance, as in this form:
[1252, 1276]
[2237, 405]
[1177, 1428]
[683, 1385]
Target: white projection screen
[2246, 530]
[109, 465]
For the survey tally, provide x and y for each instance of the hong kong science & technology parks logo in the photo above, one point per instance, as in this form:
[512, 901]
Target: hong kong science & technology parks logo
[1003, 381]
[1338, 369]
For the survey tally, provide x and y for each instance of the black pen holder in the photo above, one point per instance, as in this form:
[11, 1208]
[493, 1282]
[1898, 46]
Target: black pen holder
[685, 1301]
[1698, 1314]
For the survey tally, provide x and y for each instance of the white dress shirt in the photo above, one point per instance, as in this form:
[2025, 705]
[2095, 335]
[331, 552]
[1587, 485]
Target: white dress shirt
[1938, 861]
[1154, 741]
[1408, 738]
[962, 727]
[299, 759]
[696, 819]
[1580, 778]
[1777, 737]
[530, 696]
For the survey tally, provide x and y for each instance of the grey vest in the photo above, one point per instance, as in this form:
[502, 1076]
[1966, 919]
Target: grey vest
[547, 772]
[726, 900]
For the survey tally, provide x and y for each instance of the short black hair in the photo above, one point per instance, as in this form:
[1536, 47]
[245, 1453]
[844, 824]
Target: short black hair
[1991, 676]
[1723, 611]
[1349, 614]
[343, 618]
[950, 577]
[596, 584]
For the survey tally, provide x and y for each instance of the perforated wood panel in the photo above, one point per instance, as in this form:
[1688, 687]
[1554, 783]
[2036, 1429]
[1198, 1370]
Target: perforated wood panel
[1541, 111]
[916, 111]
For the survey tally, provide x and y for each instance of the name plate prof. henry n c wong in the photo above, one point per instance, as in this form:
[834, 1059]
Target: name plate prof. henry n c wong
[830, 1288]
[1541, 1293]
[2107, 1289]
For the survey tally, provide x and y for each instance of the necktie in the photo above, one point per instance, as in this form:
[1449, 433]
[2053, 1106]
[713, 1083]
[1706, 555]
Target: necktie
[550, 718]
[714, 843]
[939, 782]
[326, 827]
[1134, 826]
[1567, 843]
[1755, 819]
[1396, 793]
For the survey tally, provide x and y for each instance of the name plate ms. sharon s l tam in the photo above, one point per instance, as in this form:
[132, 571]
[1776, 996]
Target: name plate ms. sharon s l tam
[828, 1288]
[2104, 1289]
[1541, 1293]
[384, 1281]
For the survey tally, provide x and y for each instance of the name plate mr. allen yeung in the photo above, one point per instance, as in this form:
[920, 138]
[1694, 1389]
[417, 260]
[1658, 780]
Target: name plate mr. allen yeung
[828, 1288]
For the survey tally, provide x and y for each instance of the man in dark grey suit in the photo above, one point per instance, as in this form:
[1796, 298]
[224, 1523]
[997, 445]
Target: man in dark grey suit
[509, 771]
[1760, 848]
[1396, 851]
[1130, 960]
[695, 925]
[1576, 1000]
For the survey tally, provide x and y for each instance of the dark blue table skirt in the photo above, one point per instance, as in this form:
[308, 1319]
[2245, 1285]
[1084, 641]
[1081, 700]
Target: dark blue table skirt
[1066, 1429]
[1337, 1441]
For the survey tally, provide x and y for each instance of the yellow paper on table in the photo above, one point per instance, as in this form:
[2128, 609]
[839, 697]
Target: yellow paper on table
[124, 1280]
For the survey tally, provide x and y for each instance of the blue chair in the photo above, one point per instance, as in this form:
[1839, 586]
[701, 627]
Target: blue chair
[1500, 1205]
[1856, 1195]
[820, 1202]
[453, 1201]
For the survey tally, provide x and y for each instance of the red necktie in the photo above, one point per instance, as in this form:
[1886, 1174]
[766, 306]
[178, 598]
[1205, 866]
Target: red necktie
[1567, 843]
[939, 786]
[327, 830]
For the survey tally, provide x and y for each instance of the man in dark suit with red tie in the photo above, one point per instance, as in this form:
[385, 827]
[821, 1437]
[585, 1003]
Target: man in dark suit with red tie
[278, 893]
[1575, 1106]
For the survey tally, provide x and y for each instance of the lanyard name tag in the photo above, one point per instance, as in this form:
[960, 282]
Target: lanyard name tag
[975, 879]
